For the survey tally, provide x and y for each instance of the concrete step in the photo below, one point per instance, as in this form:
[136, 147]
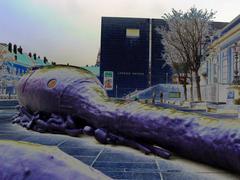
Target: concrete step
[8, 104]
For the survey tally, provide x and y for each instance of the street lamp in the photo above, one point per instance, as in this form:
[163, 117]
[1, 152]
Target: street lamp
[166, 78]
[236, 79]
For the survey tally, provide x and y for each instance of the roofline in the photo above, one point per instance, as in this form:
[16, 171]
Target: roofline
[233, 30]
[127, 17]
[232, 21]
[228, 27]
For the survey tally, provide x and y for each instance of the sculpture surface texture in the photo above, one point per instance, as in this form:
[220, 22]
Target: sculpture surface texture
[21, 160]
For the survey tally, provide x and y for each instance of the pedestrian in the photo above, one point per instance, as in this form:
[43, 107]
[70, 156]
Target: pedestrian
[161, 97]
[153, 97]
[136, 98]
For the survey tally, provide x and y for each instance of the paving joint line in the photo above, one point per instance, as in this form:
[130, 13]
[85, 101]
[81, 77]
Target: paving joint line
[60, 143]
[158, 167]
[97, 157]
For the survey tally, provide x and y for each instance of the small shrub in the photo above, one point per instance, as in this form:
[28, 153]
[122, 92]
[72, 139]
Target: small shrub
[237, 101]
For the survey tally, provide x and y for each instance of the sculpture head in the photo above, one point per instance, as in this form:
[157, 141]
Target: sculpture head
[57, 88]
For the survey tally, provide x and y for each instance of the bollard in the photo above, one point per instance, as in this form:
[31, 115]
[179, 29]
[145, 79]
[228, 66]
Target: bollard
[238, 111]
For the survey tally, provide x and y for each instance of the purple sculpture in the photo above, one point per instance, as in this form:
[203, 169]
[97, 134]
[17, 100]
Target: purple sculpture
[70, 100]
[20, 160]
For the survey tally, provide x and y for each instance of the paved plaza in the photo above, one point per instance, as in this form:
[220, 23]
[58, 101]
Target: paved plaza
[115, 161]
[199, 111]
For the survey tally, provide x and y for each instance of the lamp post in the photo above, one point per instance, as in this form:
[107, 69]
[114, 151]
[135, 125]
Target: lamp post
[218, 81]
[166, 78]
[236, 78]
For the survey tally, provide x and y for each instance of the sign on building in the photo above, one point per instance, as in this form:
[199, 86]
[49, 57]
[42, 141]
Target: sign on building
[230, 97]
[174, 94]
[108, 80]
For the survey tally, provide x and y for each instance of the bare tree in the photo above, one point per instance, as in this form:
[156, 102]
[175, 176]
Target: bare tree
[188, 32]
[179, 64]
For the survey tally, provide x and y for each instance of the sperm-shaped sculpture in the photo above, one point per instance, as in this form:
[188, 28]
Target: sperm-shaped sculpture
[71, 100]
[23, 160]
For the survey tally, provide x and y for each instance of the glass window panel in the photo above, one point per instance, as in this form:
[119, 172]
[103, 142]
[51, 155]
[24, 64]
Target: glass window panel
[132, 33]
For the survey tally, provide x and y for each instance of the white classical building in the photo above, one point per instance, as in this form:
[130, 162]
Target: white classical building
[223, 61]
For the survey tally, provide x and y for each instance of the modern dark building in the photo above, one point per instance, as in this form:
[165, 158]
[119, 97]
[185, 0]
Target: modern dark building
[131, 55]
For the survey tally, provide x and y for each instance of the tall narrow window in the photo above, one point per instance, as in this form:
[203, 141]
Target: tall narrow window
[224, 67]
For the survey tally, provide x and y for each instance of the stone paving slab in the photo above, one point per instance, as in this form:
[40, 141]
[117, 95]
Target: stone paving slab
[134, 175]
[45, 140]
[195, 176]
[124, 157]
[82, 141]
[12, 137]
[86, 159]
[126, 166]
[81, 151]
[118, 162]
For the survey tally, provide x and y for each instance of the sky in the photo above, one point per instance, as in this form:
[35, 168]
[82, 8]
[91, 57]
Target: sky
[68, 31]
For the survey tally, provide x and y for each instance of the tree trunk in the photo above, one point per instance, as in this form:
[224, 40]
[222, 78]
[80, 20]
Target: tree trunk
[198, 85]
[185, 87]
[191, 87]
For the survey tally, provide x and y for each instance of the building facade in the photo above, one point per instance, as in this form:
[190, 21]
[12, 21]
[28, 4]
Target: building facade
[131, 55]
[12, 66]
[223, 61]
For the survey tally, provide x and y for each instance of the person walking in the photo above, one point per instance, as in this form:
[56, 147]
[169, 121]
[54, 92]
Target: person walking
[161, 97]
[153, 97]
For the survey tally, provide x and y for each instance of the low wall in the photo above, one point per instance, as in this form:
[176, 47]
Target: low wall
[216, 93]
[170, 92]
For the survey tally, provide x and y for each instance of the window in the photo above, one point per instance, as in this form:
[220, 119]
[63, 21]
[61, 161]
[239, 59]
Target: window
[132, 33]
[224, 67]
